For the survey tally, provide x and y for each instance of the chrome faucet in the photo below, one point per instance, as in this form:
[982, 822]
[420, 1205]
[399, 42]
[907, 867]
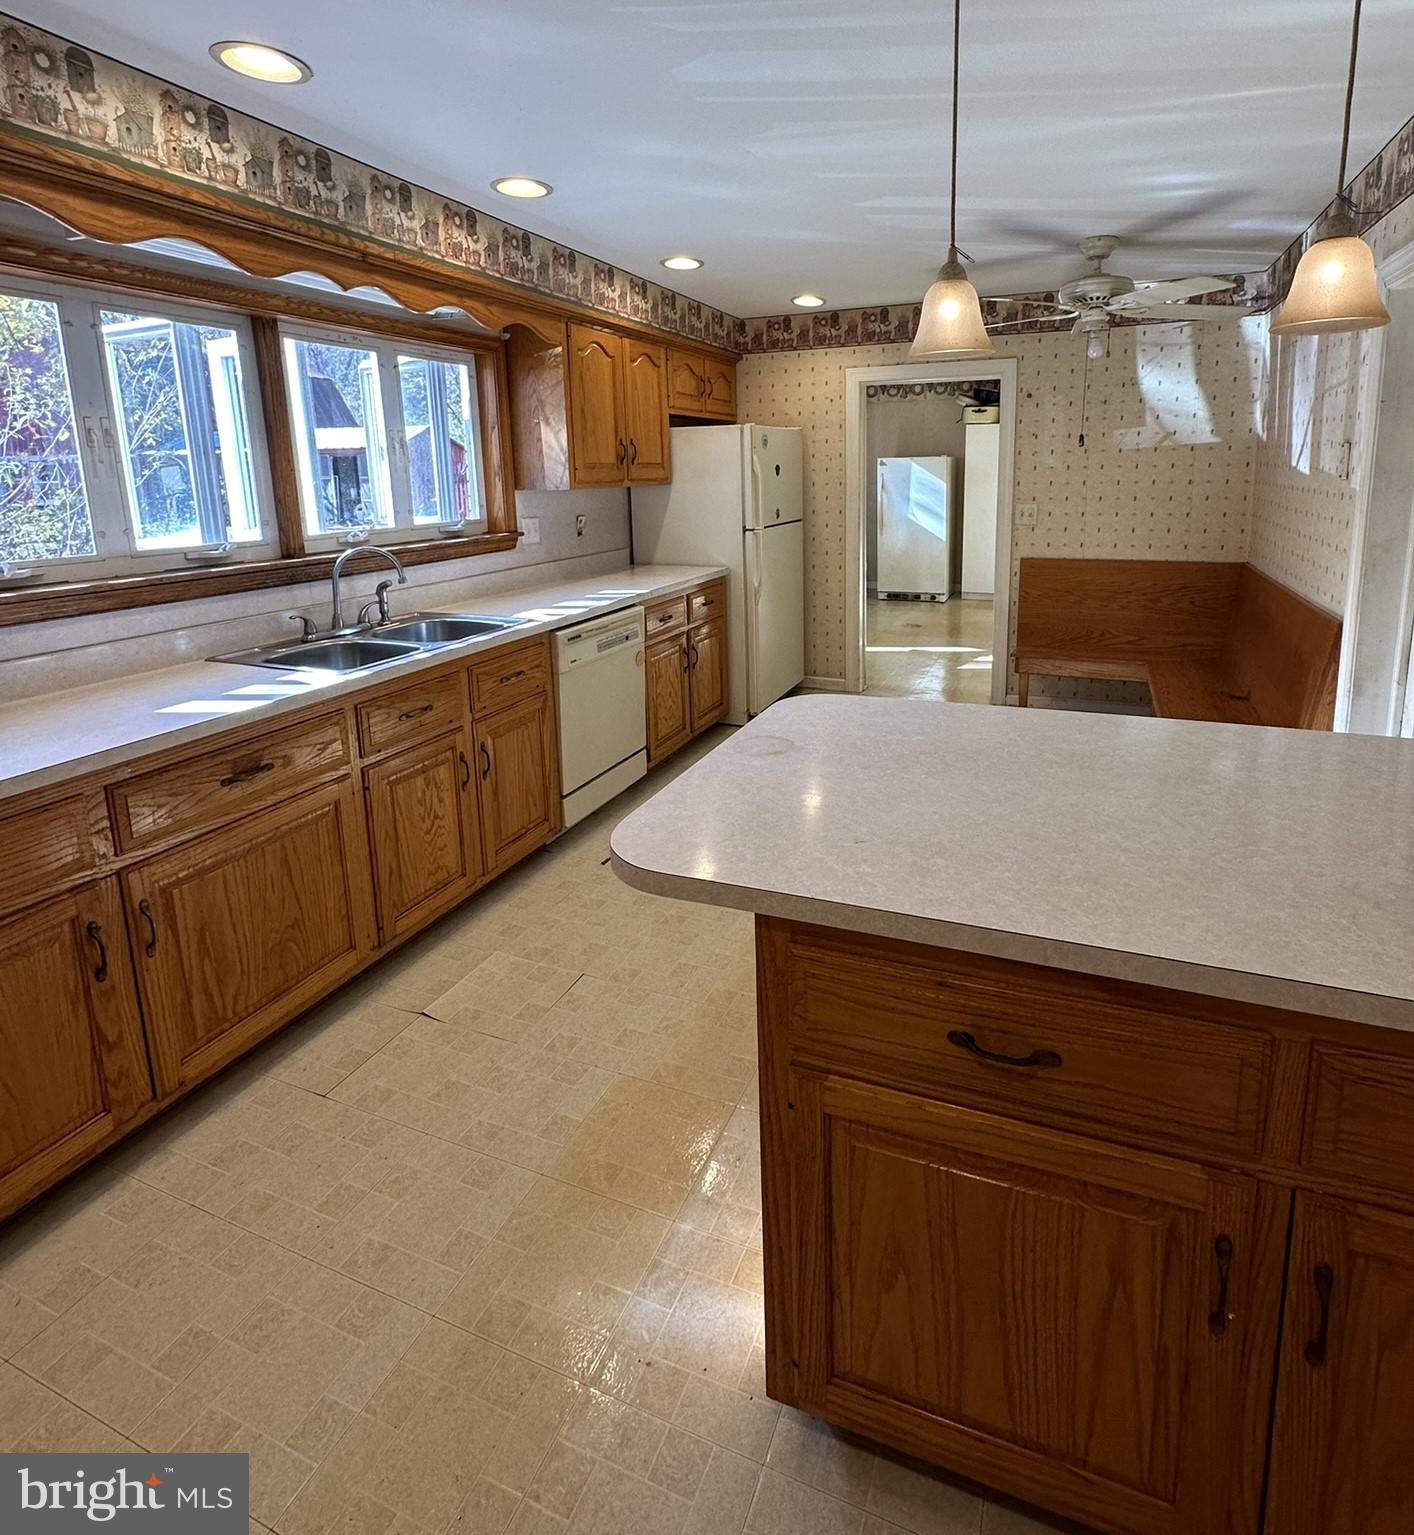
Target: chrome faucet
[336, 617]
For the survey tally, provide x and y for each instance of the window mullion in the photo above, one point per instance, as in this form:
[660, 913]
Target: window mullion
[98, 427]
[396, 427]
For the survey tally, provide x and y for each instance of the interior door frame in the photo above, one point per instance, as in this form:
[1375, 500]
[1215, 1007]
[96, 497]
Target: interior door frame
[1372, 693]
[1002, 371]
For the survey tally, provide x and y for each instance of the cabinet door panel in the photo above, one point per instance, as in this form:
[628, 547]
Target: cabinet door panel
[687, 382]
[1345, 1395]
[720, 378]
[238, 931]
[646, 412]
[1026, 1307]
[598, 449]
[426, 841]
[517, 781]
[73, 1067]
[669, 711]
[708, 653]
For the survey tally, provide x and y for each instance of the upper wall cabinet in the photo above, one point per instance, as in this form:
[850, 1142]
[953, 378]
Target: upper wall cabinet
[699, 385]
[591, 407]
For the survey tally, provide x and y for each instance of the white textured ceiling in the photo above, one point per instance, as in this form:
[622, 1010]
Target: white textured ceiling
[798, 144]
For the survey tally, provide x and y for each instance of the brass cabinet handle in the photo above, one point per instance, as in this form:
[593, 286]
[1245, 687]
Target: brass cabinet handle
[1218, 1317]
[485, 760]
[1038, 1059]
[632, 451]
[466, 769]
[623, 450]
[412, 714]
[244, 775]
[510, 677]
[145, 912]
[95, 937]
[1323, 1278]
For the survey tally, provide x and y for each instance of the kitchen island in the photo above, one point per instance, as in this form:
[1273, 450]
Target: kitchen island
[1087, 1096]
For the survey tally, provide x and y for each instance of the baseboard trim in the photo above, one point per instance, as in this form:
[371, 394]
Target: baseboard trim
[824, 684]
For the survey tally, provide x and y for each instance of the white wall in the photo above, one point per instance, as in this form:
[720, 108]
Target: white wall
[45, 657]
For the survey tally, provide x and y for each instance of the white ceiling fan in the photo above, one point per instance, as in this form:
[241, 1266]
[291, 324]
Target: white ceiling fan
[1098, 298]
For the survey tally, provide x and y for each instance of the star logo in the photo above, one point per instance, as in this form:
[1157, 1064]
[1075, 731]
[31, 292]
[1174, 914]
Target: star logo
[153, 1481]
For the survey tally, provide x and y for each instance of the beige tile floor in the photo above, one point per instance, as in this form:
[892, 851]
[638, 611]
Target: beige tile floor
[475, 1248]
[929, 649]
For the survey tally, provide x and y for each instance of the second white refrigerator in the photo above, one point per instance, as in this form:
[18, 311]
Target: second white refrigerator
[736, 501]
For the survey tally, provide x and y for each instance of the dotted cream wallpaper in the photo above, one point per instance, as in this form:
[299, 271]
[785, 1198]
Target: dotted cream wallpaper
[1166, 472]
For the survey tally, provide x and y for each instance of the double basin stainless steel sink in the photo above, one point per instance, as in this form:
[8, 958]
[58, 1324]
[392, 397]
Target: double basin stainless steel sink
[390, 642]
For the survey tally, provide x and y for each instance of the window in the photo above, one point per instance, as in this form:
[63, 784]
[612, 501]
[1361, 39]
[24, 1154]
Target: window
[127, 439]
[387, 438]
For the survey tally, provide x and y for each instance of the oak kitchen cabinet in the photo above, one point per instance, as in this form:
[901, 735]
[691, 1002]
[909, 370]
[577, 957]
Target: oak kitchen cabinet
[685, 667]
[590, 405]
[159, 919]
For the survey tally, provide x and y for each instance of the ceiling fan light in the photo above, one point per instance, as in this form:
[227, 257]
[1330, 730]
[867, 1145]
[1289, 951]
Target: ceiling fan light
[1334, 289]
[950, 324]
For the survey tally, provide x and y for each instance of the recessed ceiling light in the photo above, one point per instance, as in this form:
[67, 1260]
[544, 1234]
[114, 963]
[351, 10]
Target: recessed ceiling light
[808, 301]
[681, 263]
[272, 65]
[521, 186]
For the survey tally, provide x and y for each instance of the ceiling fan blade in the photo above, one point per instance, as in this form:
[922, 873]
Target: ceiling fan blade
[1180, 312]
[1028, 303]
[1154, 230]
[1035, 319]
[1037, 236]
[1166, 292]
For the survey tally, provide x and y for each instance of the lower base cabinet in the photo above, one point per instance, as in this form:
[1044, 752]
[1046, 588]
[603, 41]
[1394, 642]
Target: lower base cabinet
[685, 668]
[74, 1065]
[1341, 1452]
[235, 933]
[426, 835]
[517, 786]
[1024, 1306]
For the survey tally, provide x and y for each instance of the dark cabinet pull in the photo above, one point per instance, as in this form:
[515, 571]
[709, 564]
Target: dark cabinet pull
[686, 663]
[145, 912]
[485, 760]
[510, 677]
[968, 1042]
[1222, 1255]
[466, 769]
[707, 387]
[412, 714]
[623, 450]
[1323, 1278]
[95, 937]
[244, 775]
[694, 653]
[632, 451]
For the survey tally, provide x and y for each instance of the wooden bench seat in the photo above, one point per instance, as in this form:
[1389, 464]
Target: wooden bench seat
[1213, 640]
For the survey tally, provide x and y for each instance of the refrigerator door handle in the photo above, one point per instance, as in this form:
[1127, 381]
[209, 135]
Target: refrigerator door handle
[757, 520]
[753, 556]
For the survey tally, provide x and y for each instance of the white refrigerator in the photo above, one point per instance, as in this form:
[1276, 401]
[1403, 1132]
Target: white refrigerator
[916, 529]
[736, 500]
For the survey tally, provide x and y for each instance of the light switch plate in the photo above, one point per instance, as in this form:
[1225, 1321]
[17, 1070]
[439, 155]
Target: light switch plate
[530, 527]
[1026, 514]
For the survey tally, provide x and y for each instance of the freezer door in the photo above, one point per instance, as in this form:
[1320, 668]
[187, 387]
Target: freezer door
[774, 474]
[916, 525]
[775, 613]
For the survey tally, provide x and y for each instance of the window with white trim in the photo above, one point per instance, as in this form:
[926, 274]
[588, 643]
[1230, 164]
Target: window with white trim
[130, 434]
[387, 436]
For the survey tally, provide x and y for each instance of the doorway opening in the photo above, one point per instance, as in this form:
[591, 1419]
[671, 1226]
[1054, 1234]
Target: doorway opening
[928, 528]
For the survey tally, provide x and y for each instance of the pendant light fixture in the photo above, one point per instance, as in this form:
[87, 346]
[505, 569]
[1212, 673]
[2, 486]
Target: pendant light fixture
[951, 322]
[1335, 288]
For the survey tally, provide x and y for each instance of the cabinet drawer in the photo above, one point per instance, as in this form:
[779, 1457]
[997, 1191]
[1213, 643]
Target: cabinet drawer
[1360, 1109]
[709, 602]
[664, 617]
[1031, 1044]
[48, 847]
[411, 714]
[219, 785]
[507, 676]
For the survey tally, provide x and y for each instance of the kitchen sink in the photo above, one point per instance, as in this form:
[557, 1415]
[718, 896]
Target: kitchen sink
[350, 655]
[431, 629]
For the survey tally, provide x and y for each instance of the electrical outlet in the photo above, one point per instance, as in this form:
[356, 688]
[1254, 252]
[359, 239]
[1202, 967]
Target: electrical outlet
[1026, 515]
[579, 525]
[530, 527]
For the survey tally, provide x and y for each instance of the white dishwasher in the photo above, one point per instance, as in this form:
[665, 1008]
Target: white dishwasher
[602, 710]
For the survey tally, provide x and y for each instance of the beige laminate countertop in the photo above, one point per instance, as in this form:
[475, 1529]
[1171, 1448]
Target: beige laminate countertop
[48, 740]
[1263, 865]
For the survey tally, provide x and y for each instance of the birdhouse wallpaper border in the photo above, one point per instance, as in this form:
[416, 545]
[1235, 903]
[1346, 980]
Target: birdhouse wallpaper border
[55, 87]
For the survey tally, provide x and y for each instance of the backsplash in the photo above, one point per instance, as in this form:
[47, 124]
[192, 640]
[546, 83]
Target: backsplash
[36, 659]
[1166, 473]
[110, 110]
